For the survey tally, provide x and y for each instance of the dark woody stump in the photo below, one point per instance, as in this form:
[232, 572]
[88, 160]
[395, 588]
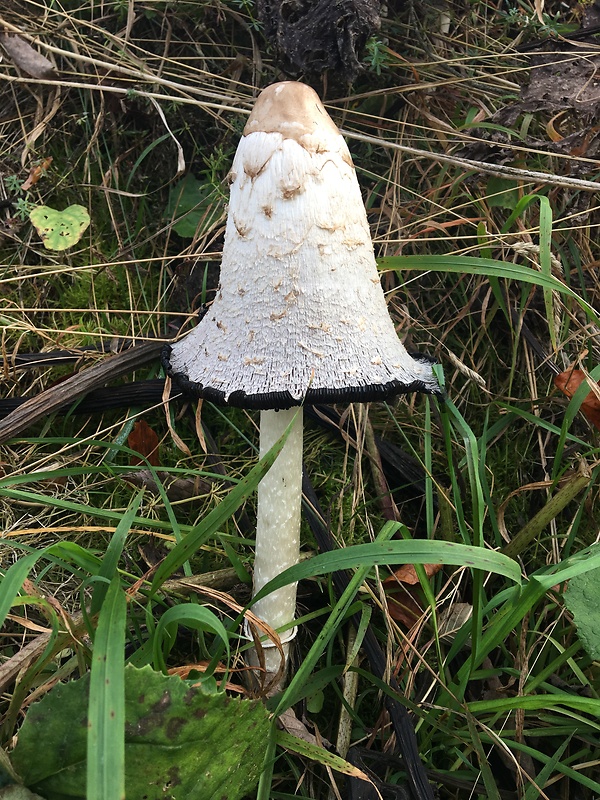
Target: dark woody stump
[317, 36]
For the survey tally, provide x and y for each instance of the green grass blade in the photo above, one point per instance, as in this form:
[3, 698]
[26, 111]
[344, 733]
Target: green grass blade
[113, 553]
[488, 267]
[191, 615]
[266, 776]
[319, 755]
[106, 707]
[379, 553]
[483, 760]
[522, 204]
[363, 625]
[211, 523]
[295, 687]
[532, 791]
[84, 509]
[562, 702]
[515, 609]
[546, 263]
[13, 581]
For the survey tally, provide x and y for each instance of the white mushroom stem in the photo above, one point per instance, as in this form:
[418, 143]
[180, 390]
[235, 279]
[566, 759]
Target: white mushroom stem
[278, 524]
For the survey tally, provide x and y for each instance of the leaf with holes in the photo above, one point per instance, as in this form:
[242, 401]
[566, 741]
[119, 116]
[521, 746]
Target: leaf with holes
[179, 741]
[60, 229]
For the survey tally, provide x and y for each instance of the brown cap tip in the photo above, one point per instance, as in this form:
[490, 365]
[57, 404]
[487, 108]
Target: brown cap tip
[291, 109]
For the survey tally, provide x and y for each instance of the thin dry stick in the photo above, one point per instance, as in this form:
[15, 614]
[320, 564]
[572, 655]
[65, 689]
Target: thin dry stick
[480, 166]
[137, 74]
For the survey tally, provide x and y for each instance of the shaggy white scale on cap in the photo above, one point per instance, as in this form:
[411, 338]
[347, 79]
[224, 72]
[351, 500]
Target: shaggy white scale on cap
[300, 314]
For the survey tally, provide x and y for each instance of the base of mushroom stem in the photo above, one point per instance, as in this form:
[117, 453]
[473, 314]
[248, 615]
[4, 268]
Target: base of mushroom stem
[272, 661]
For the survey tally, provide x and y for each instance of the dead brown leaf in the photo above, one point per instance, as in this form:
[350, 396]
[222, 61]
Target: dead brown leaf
[184, 672]
[27, 59]
[405, 604]
[36, 173]
[408, 574]
[568, 382]
[145, 441]
[295, 727]
[404, 595]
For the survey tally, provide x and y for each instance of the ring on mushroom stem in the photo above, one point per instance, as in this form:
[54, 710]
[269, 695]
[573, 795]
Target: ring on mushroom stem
[300, 315]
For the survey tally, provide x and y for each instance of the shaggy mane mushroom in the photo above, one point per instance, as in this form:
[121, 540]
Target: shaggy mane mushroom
[300, 315]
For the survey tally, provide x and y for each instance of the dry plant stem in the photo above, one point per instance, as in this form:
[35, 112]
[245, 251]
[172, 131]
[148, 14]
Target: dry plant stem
[480, 166]
[135, 72]
[384, 496]
[278, 523]
[549, 512]
[76, 386]
[350, 691]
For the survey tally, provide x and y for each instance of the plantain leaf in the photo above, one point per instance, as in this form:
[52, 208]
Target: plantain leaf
[193, 205]
[582, 598]
[180, 743]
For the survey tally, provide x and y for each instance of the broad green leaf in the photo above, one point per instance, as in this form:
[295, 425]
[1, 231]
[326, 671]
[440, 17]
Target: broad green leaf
[8, 776]
[582, 598]
[193, 205]
[60, 229]
[180, 744]
[502, 193]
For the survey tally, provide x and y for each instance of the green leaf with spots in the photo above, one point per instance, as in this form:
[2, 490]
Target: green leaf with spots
[60, 229]
[582, 598]
[179, 742]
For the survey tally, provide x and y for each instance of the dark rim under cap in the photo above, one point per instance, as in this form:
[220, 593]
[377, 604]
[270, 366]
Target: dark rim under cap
[282, 400]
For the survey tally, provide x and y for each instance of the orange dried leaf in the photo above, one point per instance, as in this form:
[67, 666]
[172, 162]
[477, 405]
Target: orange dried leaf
[403, 593]
[404, 605]
[36, 173]
[568, 382]
[408, 574]
[145, 441]
[551, 130]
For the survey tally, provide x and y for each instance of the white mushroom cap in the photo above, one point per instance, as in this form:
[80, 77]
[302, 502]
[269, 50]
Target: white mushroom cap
[300, 314]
